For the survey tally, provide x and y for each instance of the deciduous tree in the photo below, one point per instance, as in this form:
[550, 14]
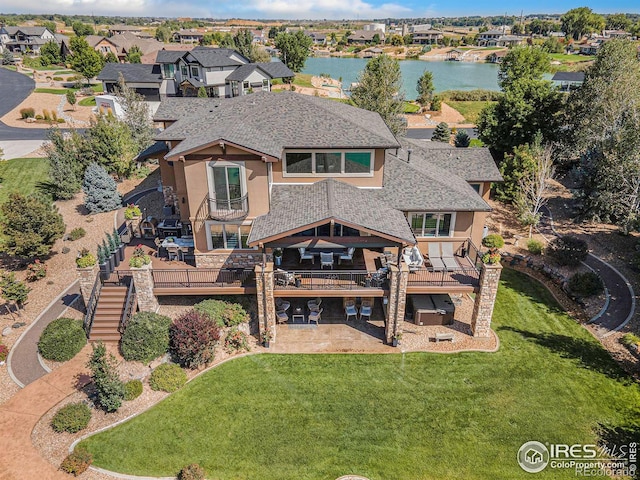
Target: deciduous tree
[134, 55]
[294, 49]
[136, 115]
[425, 88]
[85, 59]
[577, 22]
[50, 53]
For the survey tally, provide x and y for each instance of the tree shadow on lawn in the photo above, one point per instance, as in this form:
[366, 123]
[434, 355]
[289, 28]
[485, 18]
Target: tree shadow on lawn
[612, 438]
[590, 354]
[532, 289]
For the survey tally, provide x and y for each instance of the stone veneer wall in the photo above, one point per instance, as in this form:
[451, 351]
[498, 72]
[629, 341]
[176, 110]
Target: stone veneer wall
[398, 279]
[266, 302]
[143, 281]
[230, 260]
[170, 197]
[485, 300]
[87, 278]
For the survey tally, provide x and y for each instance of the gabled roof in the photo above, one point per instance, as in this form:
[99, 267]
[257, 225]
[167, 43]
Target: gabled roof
[470, 164]
[276, 69]
[132, 72]
[270, 70]
[296, 206]
[169, 56]
[302, 121]
[94, 40]
[125, 41]
[216, 57]
[568, 77]
[28, 31]
[366, 35]
[411, 187]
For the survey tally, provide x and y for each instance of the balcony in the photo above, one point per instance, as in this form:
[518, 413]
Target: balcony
[223, 210]
[331, 282]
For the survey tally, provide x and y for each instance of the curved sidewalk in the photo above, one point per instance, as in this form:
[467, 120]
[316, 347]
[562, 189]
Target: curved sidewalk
[621, 303]
[19, 459]
[23, 363]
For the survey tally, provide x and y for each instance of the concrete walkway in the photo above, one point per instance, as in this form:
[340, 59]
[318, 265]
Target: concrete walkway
[23, 363]
[19, 459]
[620, 304]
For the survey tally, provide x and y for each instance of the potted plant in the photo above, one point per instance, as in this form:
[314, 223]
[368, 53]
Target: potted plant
[139, 259]
[108, 255]
[132, 212]
[266, 337]
[103, 263]
[396, 339]
[120, 244]
[494, 243]
[112, 243]
[277, 256]
[4, 353]
[85, 259]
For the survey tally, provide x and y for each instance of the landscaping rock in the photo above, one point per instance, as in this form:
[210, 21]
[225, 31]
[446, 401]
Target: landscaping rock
[18, 325]
[6, 331]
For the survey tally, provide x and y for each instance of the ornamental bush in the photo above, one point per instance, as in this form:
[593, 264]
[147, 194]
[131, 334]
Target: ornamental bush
[27, 112]
[62, 339]
[585, 284]
[630, 339]
[535, 246]
[167, 377]
[132, 390]
[4, 352]
[71, 418]
[568, 250]
[193, 337]
[236, 341]
[462, 139]
[224, 314]
[36, 270]
[101, 193]
[77, 234]
[77, 462]
[192, 472]
[109, 387]
[146, 337]
[441, 133]
[493, 241]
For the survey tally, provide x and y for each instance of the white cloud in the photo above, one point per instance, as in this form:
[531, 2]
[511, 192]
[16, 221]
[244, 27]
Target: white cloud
[331, 9]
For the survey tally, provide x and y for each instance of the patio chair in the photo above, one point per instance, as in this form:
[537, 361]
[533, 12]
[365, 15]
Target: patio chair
[347, 256]
[314, 305]
[413, 258]
[304, 255]
[326, 260]
[350, 309]
[434, 257]
[284, 278]
[447, 256]
[282, 317]
[314, 317]
[282, 305]
[174, 253]
[365, 310]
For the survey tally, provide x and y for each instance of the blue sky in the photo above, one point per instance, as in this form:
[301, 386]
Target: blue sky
[309, 9]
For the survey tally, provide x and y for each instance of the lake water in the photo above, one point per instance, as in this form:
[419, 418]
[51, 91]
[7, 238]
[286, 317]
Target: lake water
[446, 75]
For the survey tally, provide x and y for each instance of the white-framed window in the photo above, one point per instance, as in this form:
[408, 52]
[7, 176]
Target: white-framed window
[304, 163]
[426, 224]
[227, 236]
[227, 185]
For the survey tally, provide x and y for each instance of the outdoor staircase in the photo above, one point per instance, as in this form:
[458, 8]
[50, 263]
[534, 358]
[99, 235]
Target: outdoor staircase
[108, 314]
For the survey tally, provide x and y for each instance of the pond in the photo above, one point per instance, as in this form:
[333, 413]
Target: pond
[446, 75]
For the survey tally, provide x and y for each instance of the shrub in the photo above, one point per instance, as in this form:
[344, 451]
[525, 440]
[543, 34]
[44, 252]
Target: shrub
[58, 79]
[4, 352]
[630, 339]
[77, 234]
[62, 339]
[139, 258]
[39, 117]
[193, 337]
[236, 341]
[585, 284]
[535, 246]
[146, 337]
[101, 193]
[462, 139]
[478, 95]
[436, 103]
[61, 120]
[27, 112]
[36, 271]
[77, 462]
[224, 314]
[441, 133]
[109, 387]
[168, 377]
[54, 116]
[568, 250]
[71, 418]
[46, 114]
[132, 390]
[85, 259]
[493, 241]
[13, 290]
[492, 258]
[192, 472]
[132, 211]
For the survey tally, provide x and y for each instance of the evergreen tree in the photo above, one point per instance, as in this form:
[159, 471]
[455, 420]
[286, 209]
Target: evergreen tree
[101, 194]
[441, 133]
[30, 226]
[7, 57]
[13, 290]
[462, 139]
[137, 116]
[71, 98]
[50, 53]
[104, 373]
[379, 90]
[202, 92]
[425, 88]
[64, 173]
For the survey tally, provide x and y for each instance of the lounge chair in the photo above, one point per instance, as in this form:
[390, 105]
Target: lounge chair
[350, 309]
[413, 258]
[314, 305]
[434, 257]
[365, 310]
[326, 260]
[448, 258]
[314, 317]
[347, 256]
[304, 255]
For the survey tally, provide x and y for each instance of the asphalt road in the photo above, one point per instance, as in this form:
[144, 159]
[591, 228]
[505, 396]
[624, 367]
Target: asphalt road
[14, 88]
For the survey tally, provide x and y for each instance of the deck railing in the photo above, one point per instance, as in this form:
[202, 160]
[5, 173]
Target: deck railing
[427, 277]
[330, 280]
[91, 305]
[204, 277]
[119, 278]
[473, 253]
[129, 307]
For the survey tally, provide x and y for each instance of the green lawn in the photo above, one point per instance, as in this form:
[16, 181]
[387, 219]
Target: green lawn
[403, 416]
[303, 80]
[63, 91]
[565, 58]
[22, 175]
[88, 102]
[408, 107]
[470, 110]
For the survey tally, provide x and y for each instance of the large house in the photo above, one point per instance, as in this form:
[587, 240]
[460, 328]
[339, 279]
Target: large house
[362, 37]
[25, 39]
[498, 38]
[120, 44]
[424, 34]
[221, 71]
[354, 211]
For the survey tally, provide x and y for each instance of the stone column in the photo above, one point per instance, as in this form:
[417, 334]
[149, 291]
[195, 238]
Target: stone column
[266, 303]
[485, 299]
[87, 278]
[398, 278]
[143, 281]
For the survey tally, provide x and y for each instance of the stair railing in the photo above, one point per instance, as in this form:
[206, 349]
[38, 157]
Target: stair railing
[129, 307]
[91, 306]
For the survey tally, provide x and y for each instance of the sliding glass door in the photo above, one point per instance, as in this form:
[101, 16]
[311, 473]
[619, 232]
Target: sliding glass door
[227, 185]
